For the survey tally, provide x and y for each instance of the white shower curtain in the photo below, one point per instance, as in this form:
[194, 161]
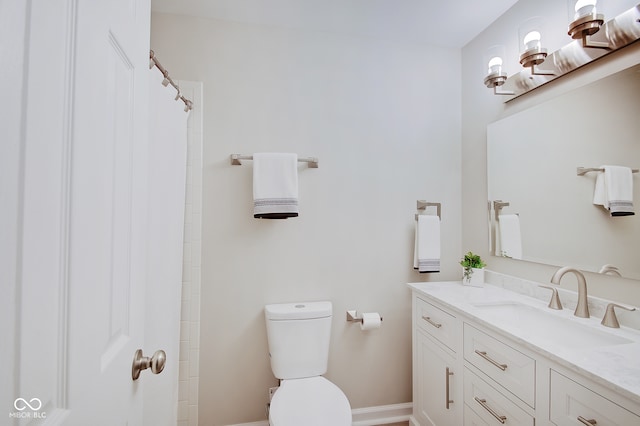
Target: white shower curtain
[167, 171]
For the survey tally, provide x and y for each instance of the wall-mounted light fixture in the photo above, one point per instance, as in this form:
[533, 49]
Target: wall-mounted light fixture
[593, 38]
[496, 75]
[585, 21]
[532, 53]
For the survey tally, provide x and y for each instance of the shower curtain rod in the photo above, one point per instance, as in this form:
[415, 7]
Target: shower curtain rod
[188, 105]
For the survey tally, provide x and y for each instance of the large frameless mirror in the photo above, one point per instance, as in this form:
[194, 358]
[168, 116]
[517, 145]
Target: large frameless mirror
[538, 198]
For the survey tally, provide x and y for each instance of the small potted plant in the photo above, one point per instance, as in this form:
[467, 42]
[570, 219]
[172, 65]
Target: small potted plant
[473, 270]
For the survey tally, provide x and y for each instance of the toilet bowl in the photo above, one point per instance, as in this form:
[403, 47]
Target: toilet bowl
[298, 335]
[313, 401]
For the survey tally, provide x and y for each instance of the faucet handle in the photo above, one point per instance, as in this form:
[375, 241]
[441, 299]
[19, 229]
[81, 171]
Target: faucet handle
[610, 270]
[554, 303]
[610, 319]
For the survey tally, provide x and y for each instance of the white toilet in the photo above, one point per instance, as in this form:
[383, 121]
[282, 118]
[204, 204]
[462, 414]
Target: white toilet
[299, 335]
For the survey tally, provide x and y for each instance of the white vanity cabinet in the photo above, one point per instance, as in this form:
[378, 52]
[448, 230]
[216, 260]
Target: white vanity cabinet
[437, 380]
[466, 373]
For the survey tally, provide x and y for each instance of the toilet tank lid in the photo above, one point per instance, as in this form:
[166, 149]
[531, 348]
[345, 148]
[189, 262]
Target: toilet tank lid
[300, 310]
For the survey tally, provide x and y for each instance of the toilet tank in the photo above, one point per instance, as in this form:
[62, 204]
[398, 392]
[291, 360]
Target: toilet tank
[298, 335]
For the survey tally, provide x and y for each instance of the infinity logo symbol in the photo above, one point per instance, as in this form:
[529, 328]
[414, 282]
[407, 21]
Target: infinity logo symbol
[27, 404]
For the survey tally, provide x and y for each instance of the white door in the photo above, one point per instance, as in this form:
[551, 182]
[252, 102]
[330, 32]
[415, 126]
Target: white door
[76, 214]
[108, 206]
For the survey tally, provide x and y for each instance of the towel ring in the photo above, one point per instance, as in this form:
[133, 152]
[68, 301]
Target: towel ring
[422, 205]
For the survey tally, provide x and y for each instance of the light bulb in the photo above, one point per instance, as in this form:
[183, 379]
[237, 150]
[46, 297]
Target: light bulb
[585, 7]
[495, 65]
[532, 40]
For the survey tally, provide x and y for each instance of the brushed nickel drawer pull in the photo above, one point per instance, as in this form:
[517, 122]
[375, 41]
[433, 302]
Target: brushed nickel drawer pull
[484, 355]
[584, 421]
[483, 402]
[432, 322]
[449, 401]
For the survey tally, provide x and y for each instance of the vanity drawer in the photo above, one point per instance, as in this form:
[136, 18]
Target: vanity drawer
[569, 399]
[443, 326]
[472, 419]
[489, 406]
[504, 364]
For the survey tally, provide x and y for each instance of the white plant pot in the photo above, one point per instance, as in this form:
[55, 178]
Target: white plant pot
[476, 279]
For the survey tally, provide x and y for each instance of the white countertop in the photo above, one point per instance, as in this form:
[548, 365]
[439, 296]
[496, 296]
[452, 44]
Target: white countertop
[615, 366]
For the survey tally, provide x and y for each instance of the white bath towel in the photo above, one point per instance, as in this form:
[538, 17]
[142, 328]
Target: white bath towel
[614, 190]
[415, 245]
[510, 236]
[275, 185]
[427, 244]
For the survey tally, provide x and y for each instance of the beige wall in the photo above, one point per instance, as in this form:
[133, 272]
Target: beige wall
[384, 121]
[481, 107]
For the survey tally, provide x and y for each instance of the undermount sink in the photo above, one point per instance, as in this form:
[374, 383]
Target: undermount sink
[540, 326]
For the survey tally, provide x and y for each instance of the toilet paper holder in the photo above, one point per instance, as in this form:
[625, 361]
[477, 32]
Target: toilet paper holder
[353, 316]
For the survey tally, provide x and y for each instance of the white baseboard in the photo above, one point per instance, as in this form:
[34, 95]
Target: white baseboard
[382, 414]
[369, 416]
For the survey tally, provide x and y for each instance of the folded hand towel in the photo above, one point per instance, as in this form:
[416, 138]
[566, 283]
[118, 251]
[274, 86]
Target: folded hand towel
[510, 237]
[275, 185]
[415, 245]
[614, 190]
[428, 243]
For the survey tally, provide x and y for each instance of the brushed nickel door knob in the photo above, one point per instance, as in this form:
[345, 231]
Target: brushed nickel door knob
[140, 362]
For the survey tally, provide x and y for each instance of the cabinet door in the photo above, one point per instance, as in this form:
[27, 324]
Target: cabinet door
[573, 403]
[439, 385]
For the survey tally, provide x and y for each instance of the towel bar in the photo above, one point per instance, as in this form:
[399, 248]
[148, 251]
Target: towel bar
[581, 171]
[422, 205]
[235, 160]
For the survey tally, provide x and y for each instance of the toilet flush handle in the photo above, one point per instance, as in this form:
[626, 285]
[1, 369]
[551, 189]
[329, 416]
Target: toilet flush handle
[156, 363]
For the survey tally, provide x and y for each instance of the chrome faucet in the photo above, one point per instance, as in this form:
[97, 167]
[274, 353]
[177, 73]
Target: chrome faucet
[582, 309]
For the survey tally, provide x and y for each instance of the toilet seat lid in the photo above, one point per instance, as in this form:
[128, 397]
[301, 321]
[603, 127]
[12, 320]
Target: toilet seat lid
[313, 401]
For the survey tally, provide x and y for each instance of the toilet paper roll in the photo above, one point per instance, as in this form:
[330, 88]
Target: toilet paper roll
[370, 321]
